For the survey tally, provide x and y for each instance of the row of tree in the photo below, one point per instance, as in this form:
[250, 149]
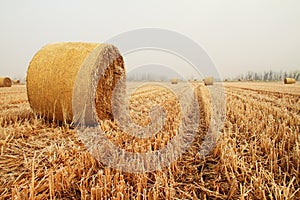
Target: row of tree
[248, 76]
[269, 75]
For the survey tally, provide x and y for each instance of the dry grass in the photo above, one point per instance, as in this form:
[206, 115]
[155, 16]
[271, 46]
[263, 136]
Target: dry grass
[257, 155]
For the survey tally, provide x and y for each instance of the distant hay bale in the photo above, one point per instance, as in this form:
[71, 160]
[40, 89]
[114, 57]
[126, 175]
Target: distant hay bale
[208, 81]
[5, 82]
[289, 81]
[174, 80]
[53, 73]
[16, 82]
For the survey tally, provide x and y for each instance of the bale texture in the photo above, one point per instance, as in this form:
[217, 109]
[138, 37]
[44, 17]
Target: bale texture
[208, 81]
[52, 73]
[5, 82]
[289, 81]
[174, 80]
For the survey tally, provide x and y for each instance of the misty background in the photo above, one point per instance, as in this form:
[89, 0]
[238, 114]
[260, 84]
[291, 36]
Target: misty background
[240, 37]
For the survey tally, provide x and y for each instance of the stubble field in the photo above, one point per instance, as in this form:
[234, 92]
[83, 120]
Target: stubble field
[257, 154]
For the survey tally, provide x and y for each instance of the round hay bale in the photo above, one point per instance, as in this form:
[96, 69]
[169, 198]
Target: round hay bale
[208, 81]
[174, 80]
[16, 82]
[289, 81]
[5, 82]
[52, 75]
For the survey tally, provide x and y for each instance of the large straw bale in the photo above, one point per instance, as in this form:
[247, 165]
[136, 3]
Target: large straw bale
[5, 82]
[289, 81]
[52, 75]
[208, 81]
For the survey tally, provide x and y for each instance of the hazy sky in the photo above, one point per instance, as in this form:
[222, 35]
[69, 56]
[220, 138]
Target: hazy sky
[238, 35]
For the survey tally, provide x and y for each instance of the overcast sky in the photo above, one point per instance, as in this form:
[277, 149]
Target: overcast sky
[239, 36]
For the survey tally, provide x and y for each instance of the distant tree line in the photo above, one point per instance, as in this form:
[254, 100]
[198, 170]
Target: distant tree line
[247, 76]
[269, 75]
